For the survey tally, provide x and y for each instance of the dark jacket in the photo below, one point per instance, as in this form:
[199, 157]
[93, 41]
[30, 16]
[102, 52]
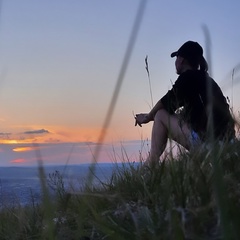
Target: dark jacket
[195, 92]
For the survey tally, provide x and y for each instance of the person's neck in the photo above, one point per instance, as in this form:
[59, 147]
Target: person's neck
[186, 68]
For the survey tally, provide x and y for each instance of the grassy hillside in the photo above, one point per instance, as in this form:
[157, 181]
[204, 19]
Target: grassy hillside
[195, 195]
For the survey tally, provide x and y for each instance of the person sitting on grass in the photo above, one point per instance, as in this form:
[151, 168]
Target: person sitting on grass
[193, 111]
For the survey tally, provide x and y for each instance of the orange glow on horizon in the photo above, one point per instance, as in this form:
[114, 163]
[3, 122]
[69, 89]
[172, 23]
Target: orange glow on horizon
[61, 134]
[23, 149]
[8, 141]
[18, 160]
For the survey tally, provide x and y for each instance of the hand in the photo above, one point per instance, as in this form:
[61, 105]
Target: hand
[141, 119]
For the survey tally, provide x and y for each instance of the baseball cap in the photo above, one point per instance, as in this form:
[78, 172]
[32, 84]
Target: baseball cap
[189, 50]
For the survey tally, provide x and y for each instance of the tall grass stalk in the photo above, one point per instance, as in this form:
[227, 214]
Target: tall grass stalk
[123, 69]
[215, 153]
[149, 79]
[49, 208]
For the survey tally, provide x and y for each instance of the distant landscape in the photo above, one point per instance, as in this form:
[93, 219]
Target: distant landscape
[19, 184]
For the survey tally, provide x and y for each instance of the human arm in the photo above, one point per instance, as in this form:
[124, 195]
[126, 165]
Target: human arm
[172, 100]
[144, 118]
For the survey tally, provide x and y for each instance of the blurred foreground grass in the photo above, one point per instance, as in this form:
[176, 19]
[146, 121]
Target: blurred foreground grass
[195, 195]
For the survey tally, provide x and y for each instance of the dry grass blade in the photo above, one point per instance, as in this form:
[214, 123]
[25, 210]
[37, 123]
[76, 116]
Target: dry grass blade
[219, 187]
[48, 207]
[208, 48]
[123, 69]
[149, 79]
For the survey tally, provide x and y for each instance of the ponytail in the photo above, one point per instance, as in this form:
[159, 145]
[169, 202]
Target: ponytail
[203, 64]
[198, 63]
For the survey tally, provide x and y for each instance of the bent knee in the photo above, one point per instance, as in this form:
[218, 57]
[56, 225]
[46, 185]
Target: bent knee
[168, 120]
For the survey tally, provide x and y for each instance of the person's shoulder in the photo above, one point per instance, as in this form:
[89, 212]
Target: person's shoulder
[194, 74]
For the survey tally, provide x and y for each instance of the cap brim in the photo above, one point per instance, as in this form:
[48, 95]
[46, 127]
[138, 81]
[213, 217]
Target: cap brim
[174, 54]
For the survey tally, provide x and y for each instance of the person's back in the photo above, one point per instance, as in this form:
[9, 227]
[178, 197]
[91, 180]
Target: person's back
[194, 90]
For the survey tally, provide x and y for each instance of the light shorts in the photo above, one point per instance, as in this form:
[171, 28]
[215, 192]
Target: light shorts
[194, 138]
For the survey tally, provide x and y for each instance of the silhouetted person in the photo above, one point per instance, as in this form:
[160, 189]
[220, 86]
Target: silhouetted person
[194, 110]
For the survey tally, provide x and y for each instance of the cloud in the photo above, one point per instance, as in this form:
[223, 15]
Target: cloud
[4, 135]
[52, 140]
[40, 131]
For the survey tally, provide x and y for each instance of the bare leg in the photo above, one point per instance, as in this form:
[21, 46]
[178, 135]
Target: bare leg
[167, 126]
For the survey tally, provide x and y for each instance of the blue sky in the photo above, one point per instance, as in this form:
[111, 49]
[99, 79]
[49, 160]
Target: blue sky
[59, 63]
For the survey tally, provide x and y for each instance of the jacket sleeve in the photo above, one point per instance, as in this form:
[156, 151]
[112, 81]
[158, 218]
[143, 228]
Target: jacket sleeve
[174, 98]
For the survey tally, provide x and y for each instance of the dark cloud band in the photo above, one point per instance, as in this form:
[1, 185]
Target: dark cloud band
[40, 131]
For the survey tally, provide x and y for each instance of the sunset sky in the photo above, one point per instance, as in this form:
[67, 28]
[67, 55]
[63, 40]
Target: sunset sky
[60, 61]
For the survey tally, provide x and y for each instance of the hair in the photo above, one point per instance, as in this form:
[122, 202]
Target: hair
[199, 63]
[203, 64]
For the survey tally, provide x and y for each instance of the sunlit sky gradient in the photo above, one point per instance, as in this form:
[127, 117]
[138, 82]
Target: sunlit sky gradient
[59, 63]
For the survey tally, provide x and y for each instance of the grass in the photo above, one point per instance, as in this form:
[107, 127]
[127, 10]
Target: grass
[194, 195]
